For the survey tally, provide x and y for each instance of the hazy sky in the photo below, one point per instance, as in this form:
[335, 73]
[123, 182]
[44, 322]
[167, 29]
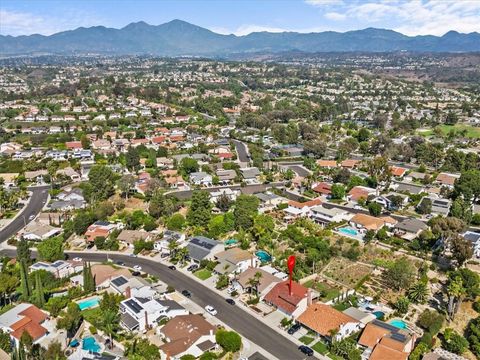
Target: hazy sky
[436, 17]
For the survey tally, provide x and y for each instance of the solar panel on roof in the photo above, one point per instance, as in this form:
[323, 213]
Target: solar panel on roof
[119, 281]
[399, 337]
[134, 306]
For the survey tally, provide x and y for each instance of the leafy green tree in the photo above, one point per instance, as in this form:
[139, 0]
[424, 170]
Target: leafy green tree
[160, 205]
[176, 222]
[263, 227]
[23, 250]
[132, 158]
[188, 357]
[338, 191]
[54, 352]
[39, 294]
[70, 319]
[462, 249]
[246, 207]
[473, 336]
[374, 209]
[402, 305]
[110, 323]
[468, 185]
[456, 293]
[8, 286]
[126, 184]
[142, 349]
[401, 274]
[88, 278]
[188, 165]
[101, 183]
[461, 209]
[82, 221]
[346, 348]
[24, 281]
[222, 282]
[51, 249]
[454, 342]
[5, 342]
[229, 340]
[200, 210]
[425, 206]
[224, 203]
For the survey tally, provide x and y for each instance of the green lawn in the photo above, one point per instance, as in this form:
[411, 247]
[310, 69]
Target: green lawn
[203, 274]
[341, 306]
[326, 291]
[320, 347]
[471, 131]
[306, 339]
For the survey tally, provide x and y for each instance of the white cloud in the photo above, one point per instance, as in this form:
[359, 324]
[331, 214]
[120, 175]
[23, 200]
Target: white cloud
[324, 2]
[335, 16]
[25, 23]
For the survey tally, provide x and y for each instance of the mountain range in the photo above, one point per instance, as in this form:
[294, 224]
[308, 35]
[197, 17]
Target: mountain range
[180, 38]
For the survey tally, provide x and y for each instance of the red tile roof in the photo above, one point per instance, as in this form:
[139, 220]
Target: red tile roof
[323, 188]
[74, 144]
[323, 318]
[300, 205]
[280, 296]
[32, 318]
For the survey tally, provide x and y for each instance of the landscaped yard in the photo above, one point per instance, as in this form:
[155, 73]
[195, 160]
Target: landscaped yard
[203, 274]
[320, 347]
[306, 339]
[327, 292]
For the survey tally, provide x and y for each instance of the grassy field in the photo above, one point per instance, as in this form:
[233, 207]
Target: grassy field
[320, 347]
[203, 274]
[327, 292]
[471, 131]
[306, 339]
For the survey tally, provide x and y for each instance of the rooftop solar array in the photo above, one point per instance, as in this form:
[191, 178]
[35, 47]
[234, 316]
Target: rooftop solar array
[119, 281]
[134, 306]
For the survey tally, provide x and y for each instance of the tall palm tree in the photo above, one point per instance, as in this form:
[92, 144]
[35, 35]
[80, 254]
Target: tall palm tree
[255, 281]
[455, 292]
[110, 322]
[418, 292]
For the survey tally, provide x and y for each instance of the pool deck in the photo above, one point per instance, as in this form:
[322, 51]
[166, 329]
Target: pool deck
[356, 237]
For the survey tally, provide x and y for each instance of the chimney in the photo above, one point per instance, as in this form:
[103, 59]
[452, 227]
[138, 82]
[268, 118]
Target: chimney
[146, 320]
[128, 292]
[309, 297]
[252, 261]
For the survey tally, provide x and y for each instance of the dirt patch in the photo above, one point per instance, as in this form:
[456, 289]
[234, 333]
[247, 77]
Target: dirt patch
[346, 272]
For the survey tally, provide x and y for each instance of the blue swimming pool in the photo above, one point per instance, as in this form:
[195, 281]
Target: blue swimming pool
[90, 344]
[231, 242]
[263, 256]
[398, 323]
[379, 314]
[348, 231]
[88, 303]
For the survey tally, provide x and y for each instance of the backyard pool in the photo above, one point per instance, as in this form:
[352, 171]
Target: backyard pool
[398, 323]
[88, 303]
[379, 314]
[348, 231]
[263, 256]
[90, 344]
[230, 242]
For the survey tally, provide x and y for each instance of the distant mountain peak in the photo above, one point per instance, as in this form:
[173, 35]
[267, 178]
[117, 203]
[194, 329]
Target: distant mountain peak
[179, 37]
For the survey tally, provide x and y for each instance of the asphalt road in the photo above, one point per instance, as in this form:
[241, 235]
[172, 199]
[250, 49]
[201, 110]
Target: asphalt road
[242, 151]
[238, 319]
[37, 202]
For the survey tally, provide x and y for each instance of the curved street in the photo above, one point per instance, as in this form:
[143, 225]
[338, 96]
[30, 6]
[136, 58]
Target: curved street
[36, 203]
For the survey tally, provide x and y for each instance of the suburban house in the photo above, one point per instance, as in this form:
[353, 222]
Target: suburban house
[269, 201]
[226, 176]
[440, 206]
[297, 209]
[128, 237]
[367, 222]
[250, 174]
[202, 248]
[323, 188]
[234, 261]
[266, 281]
[446, 179]
[349, 163]
[323, 215]
[292, 302]
[328, 164]
[390, 202]
[142, 314]
[360, 192]
[474, 238]
[102, 274]
[59, 268]
[134, 286]
[24, 317]
[325, 321]
[409, 229]
[229, 193]
[71, 194]
[99, 229]
[36, 231]
[188, 334]
[169, 236]
[201, 178]
[385, 341]
[397, 171]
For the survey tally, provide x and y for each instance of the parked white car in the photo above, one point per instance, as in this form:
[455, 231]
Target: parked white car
[211, 310]
[137, 267]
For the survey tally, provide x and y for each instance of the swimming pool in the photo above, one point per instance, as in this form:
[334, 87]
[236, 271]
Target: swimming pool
[89, 303]
[348, 231]
[263, 256]
[399, 323]
[90, 344]
[231, 242]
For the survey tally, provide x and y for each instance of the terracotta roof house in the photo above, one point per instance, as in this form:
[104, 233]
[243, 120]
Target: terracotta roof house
[323, 188]
[330, 164]
[74, 145]
[24, 317]
[188, 334]
[398, 171]
[323, 319]
[360, 192]
[297, 209]
[349, 163]
[390, 340]
[99, 228]
[291, 303]
[367, 222]
[446, 179]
